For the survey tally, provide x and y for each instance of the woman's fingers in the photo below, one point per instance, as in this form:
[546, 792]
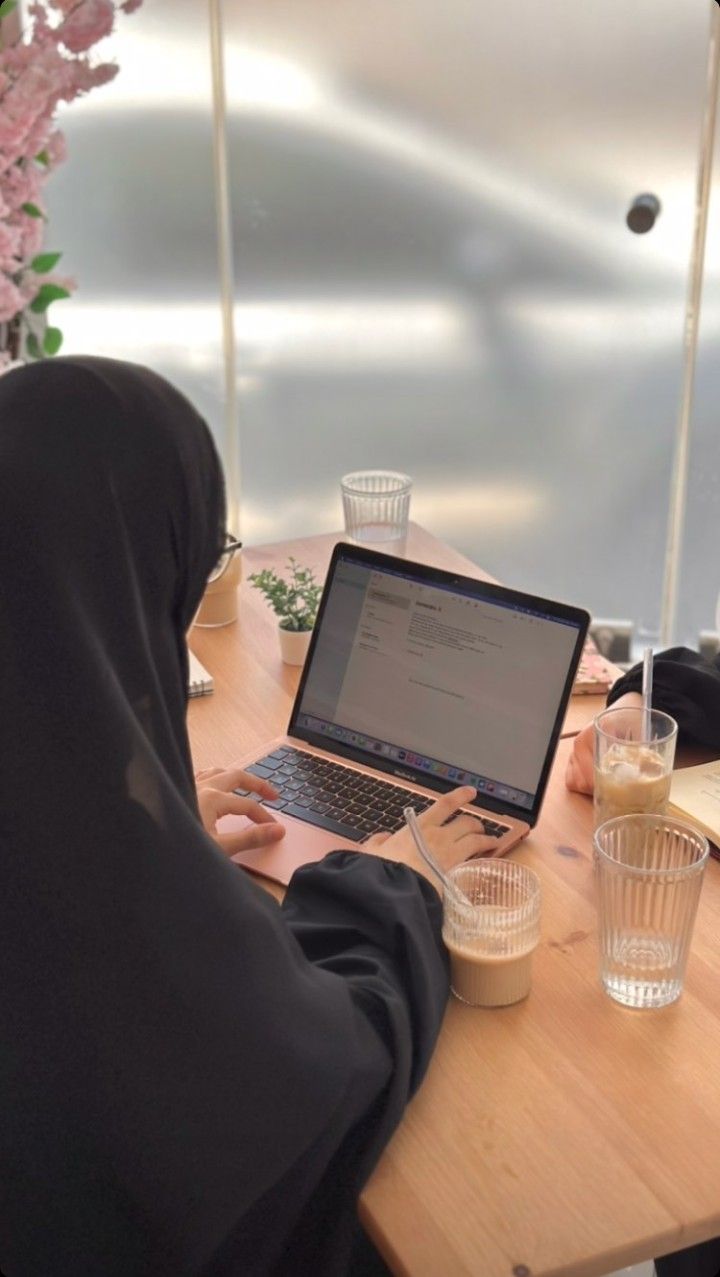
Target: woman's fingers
[206, 772]
[235, 805]
[447, 805]
[248, 839]
[216, 799]
[230, 778]
[464, 826]
[214, 803]
[377, 840]
[484, 846]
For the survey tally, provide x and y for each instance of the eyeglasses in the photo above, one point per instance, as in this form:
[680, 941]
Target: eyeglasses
[223, 563]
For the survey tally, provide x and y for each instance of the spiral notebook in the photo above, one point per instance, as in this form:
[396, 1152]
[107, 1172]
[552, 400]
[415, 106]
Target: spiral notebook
[200, 683]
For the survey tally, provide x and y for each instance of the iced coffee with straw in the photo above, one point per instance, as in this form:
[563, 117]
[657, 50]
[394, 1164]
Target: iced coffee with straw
[634, 756]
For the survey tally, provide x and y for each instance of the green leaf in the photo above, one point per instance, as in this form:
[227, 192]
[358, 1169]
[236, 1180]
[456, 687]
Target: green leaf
[33, 347]
[295, 600]
[44, 262]
[43, 158]
[52, 341]
[48, 293]
[7, 7]
[32, 210]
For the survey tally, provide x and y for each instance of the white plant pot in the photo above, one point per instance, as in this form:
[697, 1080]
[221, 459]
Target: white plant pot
[294, 645]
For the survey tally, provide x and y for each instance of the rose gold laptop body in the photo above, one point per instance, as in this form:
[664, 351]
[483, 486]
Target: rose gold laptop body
[304, 842]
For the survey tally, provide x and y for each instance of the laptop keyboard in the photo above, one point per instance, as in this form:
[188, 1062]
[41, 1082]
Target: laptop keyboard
[346, 802]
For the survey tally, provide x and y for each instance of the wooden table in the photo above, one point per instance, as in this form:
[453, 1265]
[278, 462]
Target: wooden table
[562, 1137]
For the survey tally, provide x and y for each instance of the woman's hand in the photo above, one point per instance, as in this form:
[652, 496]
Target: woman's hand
[215, 797]
[580, 774]
[450, 843]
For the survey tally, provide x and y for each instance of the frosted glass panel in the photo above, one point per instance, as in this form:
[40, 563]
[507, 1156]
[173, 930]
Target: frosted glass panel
[434, 273]
[133, 207]
[699, 587]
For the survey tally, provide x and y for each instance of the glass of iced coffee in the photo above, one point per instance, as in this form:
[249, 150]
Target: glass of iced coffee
[634, 755]
[491, 926]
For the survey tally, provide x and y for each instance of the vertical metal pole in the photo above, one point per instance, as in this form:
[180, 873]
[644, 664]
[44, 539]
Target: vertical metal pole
[231, 449]
[678, 490]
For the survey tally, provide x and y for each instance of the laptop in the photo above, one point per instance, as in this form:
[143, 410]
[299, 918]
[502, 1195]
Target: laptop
[417, 680]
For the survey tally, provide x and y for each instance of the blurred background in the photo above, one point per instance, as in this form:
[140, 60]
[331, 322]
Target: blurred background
[433, 271]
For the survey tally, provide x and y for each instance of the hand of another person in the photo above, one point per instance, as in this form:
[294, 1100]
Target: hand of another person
[215, 786]
[579, 771]
[450, 843]
[579, 774]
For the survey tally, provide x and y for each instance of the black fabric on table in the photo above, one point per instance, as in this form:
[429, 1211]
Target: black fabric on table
[192, 1079]
[696, 1261]
[686, 686]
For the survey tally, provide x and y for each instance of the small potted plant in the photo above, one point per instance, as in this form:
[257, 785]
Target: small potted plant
[295, 601]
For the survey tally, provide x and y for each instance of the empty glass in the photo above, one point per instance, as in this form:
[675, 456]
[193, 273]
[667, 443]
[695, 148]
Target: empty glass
[376, 505]
[649, 872]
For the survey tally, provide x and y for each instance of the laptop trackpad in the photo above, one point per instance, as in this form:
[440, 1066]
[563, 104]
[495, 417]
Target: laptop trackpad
[303, 844]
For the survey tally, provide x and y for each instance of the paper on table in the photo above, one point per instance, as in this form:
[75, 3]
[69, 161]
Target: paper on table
[695, 795]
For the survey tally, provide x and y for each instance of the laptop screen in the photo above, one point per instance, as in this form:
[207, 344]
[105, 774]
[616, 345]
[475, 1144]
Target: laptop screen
[440, 678]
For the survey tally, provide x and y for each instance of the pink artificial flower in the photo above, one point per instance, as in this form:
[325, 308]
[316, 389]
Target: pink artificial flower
[56, 149]
[11, 300]
[18, 186]
[46, 66]
[10, 240]
[12, 137]
[68, 282]
[85, 77]
[44, 79]
[32, 232]
[42, 31]
[37, 138]
[85, 24]
[17, 57]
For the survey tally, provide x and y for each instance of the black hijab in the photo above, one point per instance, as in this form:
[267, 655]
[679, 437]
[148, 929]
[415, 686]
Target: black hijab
[168, 1055]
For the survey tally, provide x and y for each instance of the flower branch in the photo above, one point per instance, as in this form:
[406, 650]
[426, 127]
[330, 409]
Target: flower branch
[47, 62]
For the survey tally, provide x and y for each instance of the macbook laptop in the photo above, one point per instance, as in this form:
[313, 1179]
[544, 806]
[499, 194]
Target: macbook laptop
[417, 680]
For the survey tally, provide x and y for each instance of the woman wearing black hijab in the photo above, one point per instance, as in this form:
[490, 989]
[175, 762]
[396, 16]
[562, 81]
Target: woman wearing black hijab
[192, 1080]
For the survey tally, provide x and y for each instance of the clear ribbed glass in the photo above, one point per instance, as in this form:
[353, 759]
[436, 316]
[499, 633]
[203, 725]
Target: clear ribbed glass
[491, 934]
[649, 873]
[376, 505]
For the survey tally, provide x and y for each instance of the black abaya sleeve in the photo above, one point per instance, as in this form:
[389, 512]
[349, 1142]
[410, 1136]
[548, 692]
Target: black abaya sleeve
[686, 686]
[377, 925]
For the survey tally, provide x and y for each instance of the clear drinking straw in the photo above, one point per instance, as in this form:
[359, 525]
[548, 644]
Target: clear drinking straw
[647, 682]
[412, 824]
